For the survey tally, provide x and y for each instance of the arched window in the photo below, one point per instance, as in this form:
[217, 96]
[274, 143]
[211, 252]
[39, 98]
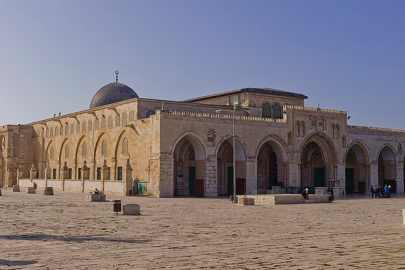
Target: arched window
[103, 122]
[103, 148]
[51, 132]
[66, 129]
[51, 154]
[90, 125]
[117, 121]
[67, 151]
[110, 121]
[266, 110]
[344, 141]
[124, 119]
[56, 131]
[131, 116]
[72, 128]
[84, 150]
[277, 111]
[96, 125]
[84, 126]
[125, 146]
[77, 127]
[47, 133]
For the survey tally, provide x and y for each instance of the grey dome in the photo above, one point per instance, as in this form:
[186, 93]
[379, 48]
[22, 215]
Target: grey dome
[111, 93]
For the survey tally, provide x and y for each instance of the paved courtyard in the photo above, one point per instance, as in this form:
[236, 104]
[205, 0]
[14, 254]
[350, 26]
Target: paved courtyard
[66, 232]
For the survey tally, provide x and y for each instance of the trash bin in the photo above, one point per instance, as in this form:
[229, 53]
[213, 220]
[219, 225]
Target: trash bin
[116, 206]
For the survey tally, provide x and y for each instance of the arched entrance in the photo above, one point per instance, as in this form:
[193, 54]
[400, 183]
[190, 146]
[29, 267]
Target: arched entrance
[270, 167]
[387, 168]
[356, 171]
[225, 169]
[318, 159]
[189, 165]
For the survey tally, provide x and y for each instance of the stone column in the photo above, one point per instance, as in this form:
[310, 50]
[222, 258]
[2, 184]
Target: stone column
[374, 173]
[65, 175]
[47, 173]
[75, 176]
[400, 177]
[19, 175]
[9, 176]
[59, 170]
[128, 178]
[33, 172]
[104, 174]
[211, 183]
[113, 170]
[251, 176]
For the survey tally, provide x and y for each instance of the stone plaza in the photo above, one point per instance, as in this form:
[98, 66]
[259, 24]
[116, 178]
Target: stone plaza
[65, 231]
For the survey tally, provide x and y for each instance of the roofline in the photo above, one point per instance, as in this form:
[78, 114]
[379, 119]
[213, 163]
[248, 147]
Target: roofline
[268, 91]
[57, 118]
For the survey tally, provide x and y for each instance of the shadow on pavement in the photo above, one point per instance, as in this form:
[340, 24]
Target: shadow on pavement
[16, 263]
[77, 239]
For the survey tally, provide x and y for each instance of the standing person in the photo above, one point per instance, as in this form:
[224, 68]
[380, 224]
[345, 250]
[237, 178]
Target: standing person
[386, 190]
[372, 191]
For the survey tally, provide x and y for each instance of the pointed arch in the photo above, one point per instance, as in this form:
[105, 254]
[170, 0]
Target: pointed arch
[198, 143]
[241, 148]
[281, 146]
[363, 146]
[388, 155]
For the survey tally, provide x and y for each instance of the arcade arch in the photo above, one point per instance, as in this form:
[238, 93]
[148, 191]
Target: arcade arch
[357, 169]
[271, 170]
[318, 159]
[225, 169]
[387, 168]
[189, 164]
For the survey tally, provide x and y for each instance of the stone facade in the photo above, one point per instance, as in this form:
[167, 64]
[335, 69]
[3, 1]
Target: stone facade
[183, 148]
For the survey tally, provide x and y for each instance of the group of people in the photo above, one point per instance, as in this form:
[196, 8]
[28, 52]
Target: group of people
[378, 192]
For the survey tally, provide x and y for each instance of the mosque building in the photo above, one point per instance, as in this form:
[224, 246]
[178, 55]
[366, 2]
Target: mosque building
[185, 148]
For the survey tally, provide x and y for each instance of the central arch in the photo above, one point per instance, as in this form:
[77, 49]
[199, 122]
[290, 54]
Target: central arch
[189, 165]
[318, 159]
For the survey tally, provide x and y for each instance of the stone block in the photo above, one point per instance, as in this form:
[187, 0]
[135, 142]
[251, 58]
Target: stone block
[96, 197]
[246, 201]
[338, 193]
[48, 191]
[131, 209]
[16, 188]
[31, 190]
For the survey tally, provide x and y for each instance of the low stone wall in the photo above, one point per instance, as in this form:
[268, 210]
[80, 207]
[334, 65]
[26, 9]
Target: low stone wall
[110, 187]
[272, 199]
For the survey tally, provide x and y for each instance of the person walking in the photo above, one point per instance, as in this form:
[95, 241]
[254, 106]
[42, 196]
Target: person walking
[388, 191]
[372, 191]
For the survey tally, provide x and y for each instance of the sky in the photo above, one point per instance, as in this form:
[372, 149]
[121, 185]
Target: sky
[343, 54]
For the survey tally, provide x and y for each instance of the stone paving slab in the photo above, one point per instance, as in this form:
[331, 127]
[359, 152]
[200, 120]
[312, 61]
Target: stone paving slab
[65, 231]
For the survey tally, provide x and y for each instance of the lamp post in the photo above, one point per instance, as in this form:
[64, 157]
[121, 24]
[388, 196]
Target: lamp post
[235, 107]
